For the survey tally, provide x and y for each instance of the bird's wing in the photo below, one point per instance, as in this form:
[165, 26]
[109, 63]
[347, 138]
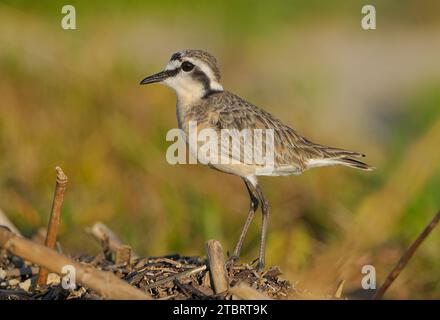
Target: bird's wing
[291, 150]
[243, 121]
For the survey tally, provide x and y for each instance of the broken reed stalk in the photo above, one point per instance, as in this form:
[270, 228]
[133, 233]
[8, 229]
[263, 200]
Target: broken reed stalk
[217, 268]
[406, 257]
[104, 283]
[103, 233]
[55, 215]
[244, 292]
[123, 255]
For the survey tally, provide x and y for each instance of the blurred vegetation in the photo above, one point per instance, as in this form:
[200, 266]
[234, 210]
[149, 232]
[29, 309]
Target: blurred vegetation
[71, 98]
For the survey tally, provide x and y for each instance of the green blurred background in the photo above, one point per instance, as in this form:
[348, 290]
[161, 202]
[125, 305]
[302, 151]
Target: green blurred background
[71, 98]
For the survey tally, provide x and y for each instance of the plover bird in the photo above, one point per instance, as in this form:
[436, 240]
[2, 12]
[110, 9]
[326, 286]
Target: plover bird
[195, 77]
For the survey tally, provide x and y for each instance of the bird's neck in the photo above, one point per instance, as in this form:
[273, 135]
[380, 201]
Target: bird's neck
[191, 95]
[185, 101]
[186, 98]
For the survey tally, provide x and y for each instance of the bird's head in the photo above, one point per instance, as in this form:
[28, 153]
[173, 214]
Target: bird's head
[191, 73]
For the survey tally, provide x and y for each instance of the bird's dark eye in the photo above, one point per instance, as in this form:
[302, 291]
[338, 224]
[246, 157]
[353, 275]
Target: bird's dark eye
[187, 66]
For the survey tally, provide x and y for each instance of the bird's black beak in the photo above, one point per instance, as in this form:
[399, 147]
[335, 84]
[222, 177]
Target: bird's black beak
[158, 77]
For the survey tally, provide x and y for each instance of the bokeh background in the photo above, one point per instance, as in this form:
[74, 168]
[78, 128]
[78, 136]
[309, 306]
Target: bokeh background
[71, 98]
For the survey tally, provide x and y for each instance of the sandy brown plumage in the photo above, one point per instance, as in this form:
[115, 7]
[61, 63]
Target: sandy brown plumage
[293, 152]
[195, 77]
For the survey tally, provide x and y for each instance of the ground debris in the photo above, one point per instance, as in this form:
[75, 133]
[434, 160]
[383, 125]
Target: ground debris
[168, 277]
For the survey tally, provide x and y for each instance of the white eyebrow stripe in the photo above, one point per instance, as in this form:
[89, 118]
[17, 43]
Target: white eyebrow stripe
[214, 84]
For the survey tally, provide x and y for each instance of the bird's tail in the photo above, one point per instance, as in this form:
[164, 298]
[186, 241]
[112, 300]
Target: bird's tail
[334, 156]
[353, 163]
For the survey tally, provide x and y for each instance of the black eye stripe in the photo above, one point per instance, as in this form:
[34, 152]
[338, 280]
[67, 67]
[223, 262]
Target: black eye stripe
[172, 72]
[200, 76]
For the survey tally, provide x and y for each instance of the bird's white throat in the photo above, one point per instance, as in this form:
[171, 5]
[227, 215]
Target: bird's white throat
[188, 90]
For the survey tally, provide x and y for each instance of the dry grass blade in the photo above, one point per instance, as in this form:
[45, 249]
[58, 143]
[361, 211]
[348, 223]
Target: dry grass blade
[378, 213]
[406, 257]
[339, 289]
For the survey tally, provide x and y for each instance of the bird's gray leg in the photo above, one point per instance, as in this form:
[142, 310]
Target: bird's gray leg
[253, 195]
[265, 210]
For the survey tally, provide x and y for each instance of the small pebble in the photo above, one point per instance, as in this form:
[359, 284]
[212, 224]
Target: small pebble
[25, 285]
[53, 278]
[2, 274]
[13, 282]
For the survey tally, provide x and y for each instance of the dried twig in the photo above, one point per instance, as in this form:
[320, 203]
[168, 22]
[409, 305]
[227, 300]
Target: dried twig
[244, 292]
[406, 257]
[123, 255]
[40, 235]
[103, 233]
[4, 221]
[180, 275]
[190, 291]
[217, 269]
[105, 283]
[55, 215]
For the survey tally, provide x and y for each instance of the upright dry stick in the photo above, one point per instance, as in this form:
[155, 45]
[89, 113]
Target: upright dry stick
[406, 257]
[123, 255]
[217, 269]
[105, 283]
[54, 222]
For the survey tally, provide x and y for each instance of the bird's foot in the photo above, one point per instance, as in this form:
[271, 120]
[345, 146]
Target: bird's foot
[230, 262]
[259, 264]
